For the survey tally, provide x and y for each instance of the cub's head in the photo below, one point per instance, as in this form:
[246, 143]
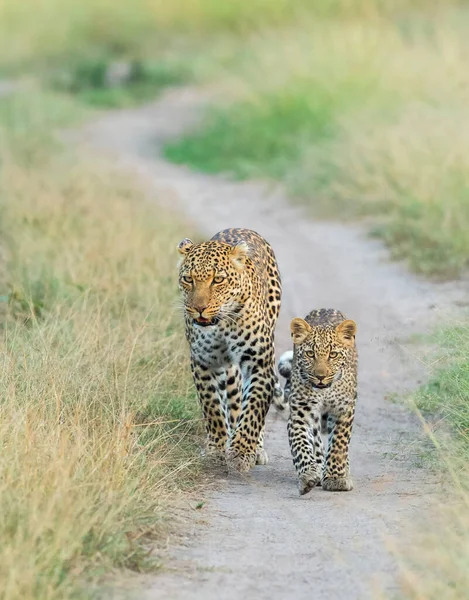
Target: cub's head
[322, 351]
[211, 280]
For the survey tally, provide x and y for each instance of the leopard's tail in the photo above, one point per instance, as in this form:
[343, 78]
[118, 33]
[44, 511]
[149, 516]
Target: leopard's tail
[281, 396]
[285, 364]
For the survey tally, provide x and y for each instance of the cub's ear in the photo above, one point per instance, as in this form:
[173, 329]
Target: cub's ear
[185, 246]
[299, 330]
[347, 330]
[239, 253]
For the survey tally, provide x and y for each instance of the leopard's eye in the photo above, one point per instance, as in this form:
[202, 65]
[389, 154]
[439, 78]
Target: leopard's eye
[219, 279]
[187, 279]
[309, 353]
[333, 354]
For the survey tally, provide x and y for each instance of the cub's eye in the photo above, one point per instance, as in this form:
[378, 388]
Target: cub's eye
[187, 279]
[218, 279]
[309, 353]
[333, 354]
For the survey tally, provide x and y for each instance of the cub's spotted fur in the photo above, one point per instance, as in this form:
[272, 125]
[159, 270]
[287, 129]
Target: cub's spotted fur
[321, 389]
[232, 292]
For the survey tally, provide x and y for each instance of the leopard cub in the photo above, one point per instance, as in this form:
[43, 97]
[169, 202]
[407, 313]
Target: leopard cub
[321, 388]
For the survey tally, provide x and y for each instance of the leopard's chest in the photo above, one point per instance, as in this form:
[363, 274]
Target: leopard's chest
[217, 346]
[342, 393]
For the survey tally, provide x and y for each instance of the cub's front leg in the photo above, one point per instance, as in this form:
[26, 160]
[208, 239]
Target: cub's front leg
[337, 468]
[210, 386]
[304, 435]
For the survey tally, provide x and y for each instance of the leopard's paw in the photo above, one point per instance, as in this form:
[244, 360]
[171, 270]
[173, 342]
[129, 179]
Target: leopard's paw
[337, 484]
[240, 462]
[308, 481]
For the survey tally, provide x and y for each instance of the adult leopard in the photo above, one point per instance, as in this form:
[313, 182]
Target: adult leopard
[232, 291]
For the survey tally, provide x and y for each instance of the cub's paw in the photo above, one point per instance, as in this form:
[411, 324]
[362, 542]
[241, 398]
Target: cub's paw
[261, 457]
[337, 484]
[240, 462]
[308, 481]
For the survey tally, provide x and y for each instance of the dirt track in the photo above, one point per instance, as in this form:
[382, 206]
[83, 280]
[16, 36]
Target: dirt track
[256, 538]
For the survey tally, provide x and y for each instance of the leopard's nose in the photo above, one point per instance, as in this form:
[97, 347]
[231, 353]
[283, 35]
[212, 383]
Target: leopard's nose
[200, 309]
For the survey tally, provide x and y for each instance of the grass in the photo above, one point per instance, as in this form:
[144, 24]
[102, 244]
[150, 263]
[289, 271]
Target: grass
[258, 139]
[166, 37]
[98, 420]
[445, 396]
[106, 84]
[436, 564]
[356, 118]
[53, 32]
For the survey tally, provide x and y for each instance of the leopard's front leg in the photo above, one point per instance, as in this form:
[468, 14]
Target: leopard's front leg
[261, 455]
[304, 435]
[234, 394]
[337, 469]
[234, 398]
[211, 397]
[245, 447]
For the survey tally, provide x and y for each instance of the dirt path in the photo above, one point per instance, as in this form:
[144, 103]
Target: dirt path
[256, 538]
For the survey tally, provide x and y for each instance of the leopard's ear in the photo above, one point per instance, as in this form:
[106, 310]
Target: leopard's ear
[347, 331]
[185, 245]
[239, 254]
[299, 330]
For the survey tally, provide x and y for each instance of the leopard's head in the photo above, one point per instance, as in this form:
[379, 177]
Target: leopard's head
[322, 351]
[211, 280]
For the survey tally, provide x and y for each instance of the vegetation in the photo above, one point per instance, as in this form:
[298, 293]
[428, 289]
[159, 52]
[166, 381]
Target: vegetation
[98, 421]
[356, 118]
[108, 84]
[435, 565]
[445, 397]
[54, 32]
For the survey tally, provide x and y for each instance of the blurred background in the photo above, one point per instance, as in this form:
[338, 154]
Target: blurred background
[358, 106]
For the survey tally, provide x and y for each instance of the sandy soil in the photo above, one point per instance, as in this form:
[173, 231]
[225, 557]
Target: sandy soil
[255, 538]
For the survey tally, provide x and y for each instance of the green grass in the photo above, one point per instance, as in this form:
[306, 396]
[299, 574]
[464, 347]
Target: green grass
[98, 419]
[446, 395]
[258, 139]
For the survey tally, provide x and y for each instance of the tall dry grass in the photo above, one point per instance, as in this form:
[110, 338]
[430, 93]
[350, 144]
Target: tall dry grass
[98, 423]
